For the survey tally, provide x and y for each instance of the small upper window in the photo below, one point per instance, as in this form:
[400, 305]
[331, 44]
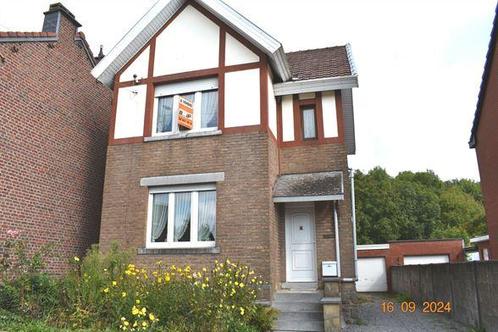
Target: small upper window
[199, 99]
[309, 122]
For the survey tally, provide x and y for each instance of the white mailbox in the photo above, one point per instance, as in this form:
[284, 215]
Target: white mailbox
[329, 269]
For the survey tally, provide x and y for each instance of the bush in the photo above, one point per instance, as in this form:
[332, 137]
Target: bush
[105, 291]
[9, 298]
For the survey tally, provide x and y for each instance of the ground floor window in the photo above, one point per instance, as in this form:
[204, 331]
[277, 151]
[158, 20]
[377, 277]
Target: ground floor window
[182, 216]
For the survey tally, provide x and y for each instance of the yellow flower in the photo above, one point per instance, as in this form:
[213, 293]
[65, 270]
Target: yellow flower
[167, 278]
[114, 283]
[106, 290]
[144, 324]
[159, 280]
[123, 294]
[143, 310]
[126, 323]
[241, 285]
[76, 259]
[137, 301]
[134, 311]
[123, 319]
[152, 317]
[204, 269]
[242, 311]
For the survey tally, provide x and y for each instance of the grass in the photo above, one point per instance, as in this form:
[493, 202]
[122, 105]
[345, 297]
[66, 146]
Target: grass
[14, 323]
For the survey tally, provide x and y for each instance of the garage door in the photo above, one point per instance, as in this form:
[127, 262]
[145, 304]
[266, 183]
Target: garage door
[372, 276]
[423, 260]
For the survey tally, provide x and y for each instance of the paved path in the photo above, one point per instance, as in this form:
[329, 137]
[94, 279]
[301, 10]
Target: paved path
[372, 319]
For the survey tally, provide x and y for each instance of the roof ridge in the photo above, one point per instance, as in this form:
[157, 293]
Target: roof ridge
[318, 49]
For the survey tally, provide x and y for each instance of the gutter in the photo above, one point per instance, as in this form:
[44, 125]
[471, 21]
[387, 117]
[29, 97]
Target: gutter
[353, 220]
[316, 85]
[337, 246]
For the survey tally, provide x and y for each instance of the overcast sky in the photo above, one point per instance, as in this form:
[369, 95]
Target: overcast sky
[419, 62]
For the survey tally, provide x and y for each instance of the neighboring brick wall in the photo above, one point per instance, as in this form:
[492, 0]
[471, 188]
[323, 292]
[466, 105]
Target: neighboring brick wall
[487, 154]
[54, 118]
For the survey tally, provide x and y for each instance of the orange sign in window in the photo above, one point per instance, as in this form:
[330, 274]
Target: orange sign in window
[185, 113]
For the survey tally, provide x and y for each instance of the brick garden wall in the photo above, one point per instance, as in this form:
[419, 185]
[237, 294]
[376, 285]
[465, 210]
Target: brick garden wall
[54, 118]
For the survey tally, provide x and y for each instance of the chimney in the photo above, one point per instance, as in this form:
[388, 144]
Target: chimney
[52, 20]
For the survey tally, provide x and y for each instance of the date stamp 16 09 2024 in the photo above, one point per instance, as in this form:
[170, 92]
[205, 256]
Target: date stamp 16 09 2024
[410, 306]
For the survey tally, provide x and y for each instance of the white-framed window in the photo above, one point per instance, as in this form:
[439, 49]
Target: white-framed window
[182, 217]
[202, 93]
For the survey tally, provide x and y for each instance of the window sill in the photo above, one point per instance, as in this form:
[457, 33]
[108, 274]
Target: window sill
[178, 251]
[179, 135]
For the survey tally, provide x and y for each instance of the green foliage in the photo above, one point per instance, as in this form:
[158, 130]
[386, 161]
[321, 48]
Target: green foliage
[9, 298]
[104, 291]
[416, 206]
[264, 318]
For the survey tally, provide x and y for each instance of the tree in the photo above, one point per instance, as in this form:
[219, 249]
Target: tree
[416, 206]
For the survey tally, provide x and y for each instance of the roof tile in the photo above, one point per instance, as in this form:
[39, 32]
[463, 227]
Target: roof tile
[319, 63]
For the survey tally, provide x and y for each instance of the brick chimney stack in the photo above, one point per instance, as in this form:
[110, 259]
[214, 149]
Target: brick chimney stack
[53, 17]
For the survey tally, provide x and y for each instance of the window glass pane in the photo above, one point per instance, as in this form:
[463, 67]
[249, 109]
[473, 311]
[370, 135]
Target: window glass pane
[209, 109]
[309, 129]
[190, 97]
[159, 217]
[164, 114]
[182, 217]
[207, 216]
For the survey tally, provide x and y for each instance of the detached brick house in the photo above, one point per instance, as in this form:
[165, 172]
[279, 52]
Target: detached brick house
[54, 119]
[223, 146]
[485, 141]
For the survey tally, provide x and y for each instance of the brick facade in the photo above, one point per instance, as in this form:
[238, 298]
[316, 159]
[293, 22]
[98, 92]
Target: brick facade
[487, 153]
[54, 121]
[249, 226]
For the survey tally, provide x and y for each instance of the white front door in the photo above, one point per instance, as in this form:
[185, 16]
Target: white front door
[300, 244]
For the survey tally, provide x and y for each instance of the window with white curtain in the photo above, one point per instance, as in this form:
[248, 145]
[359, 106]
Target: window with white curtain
[202, 93]
[309, 122]
[183, 216]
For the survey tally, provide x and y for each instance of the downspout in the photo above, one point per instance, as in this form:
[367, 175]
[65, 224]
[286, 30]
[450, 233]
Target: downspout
[337, 246]
[353, 219]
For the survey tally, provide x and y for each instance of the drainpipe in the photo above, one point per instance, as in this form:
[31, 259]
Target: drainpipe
[353, 219]
[337, 246]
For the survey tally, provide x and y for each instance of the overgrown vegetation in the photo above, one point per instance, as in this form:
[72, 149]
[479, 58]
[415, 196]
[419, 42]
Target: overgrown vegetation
[105, 292]
[414, 206]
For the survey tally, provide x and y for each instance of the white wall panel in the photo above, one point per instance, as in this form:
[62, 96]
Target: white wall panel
[242, 98]
[130, 112]
[139, 67]
[287, 119]
[190, 42]
[237, 53]
[425, 259]
[329, 114]
[272, 108]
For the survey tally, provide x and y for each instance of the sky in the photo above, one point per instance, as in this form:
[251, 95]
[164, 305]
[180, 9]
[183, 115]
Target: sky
[419, 62]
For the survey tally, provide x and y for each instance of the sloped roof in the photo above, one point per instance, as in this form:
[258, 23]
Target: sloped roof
[162, 11]
[309, 187]
[319, 63]
[484, 82]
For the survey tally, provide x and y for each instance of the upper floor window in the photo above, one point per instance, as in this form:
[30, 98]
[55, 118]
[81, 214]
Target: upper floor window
[308, 122]
[182, 217]
[199, 98]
